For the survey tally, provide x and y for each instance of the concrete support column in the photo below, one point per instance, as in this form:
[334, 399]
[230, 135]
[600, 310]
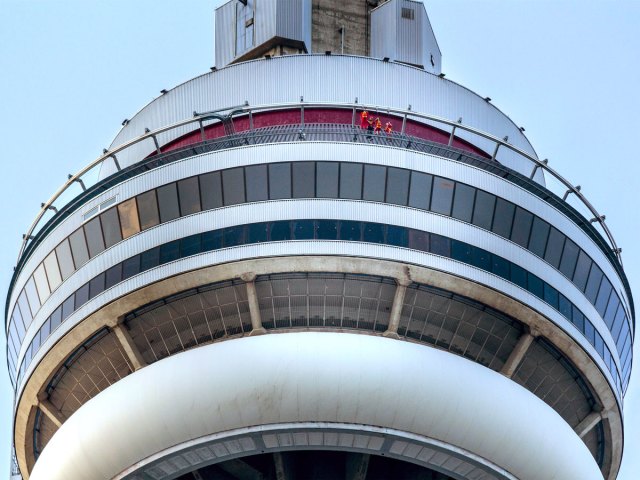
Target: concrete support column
[254, 308]
[51, 412]
[588, 423]
[518, 353]
[396, 309]
[129, 347]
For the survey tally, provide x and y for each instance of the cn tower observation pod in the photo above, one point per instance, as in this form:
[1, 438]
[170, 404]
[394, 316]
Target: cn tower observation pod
[282, 274]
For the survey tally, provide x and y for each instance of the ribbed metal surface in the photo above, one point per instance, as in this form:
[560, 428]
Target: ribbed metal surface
[293, 20]
[225, 33]
[318, 78]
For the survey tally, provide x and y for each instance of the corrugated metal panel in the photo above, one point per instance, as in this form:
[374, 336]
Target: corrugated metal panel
[225, 33]
[383, 31]
[265, 21]
[294, 20]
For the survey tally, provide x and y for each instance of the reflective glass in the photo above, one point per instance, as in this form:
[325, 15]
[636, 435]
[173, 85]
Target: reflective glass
[65, 260]
[351, 180]
[522, 221]
[303, 230]
[397, 185]
[564, 306]
[190, 245]
[149, 259]
[581, 273]
[327, 230]
[18, 324]
[440, 245]
[25, 311]
[233, 236]
[418, 240]
[483, 209]
[373, 233]
[279, 231]
[500, 267]
[442, 195]
[551, 295]
[461, 251]
[130, 267]
[148, 209]
[503, 218]
[82, 295]
[374, 183]
[481, 258]
[129, 221]
[53, 272]
[589, 331]
[79, 247]
[555, 245]
[258, 233]
[42, 285]
[211, 241]
[189, 194]
[612, 308]
[420, 190]
[577, 318]
[257, 185]
[32, 297]
[279, 180]
[463, 202]
[603, 296]
[593, 284]
[93, 232]
[569, 258]
[617, 323]
[211, 190]
[327, 179]
[304, 179]
[535, 285]
[233, 186]
[168, 202]
[350, 230]
[397, 236]
[96, 285]
[519, 275]
[111, 227]
[169, 252]
[113, 275]
[539, 236]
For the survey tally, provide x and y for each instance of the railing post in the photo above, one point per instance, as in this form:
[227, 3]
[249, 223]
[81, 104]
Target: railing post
[202, 137]
[404, 123]
[453, 131]
[155, 140]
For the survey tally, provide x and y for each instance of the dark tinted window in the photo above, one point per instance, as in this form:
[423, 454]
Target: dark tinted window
[111, 227]
[68, 306]
[148, 209]
[258, 233]
[460, 251]
[481, 258]
[374, 183]
[420, 191]
[113, 275]
[569, 258]
[417, 240]
[280, 231]
[211, 190]
[564, 306]
[327, 230]
[233, 236]
[169, 252]
[279, 180]
[149, 259]
[349, 230]
[256, 177]
[603, 296]
[397, 186]
[440, 245]
[503, 218]
[96, 285]
[82, 295]
[463, 202]
[535, 285]
[233, 186]
[212, 240]
[555, 244]
[130, 267]
[168, 202]
[189, 193]
[303, 230]
[65, 260]
[397, 236]
[56, 318]
[483, 211]
[442, 195]
[612, 308]
[327, 179]
[539, 236]
[581, 273]
[518, 275]
[373, 233]
[350, 180]
[578, 319]
[190, 245]
[304, 179]
[593, 284]
[93, 232]
[551, 295]
[500, 267]
[521, 227]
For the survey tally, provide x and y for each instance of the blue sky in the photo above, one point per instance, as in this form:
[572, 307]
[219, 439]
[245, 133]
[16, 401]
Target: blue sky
[566, 70]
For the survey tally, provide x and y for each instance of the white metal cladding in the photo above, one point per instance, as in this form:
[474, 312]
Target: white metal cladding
[346, 210]
[325, 151]
[330, 377]
[225, 18]
[319, 78]
[293, 20]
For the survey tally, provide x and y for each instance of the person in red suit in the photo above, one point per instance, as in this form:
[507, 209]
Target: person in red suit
[363, 119]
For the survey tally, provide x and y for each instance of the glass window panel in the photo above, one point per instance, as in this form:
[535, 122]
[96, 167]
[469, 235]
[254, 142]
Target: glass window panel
[169, 252]
[304, 179]
[373, 233]
[351, 180]
[397, 236]
[79, 247]
[603, 296]
[463, 202]
[483, 209]
[593, 284]
[617, 322]
[535, 285]
[149, 259]
[522, 221]
[16, 322]
[577, 318]
[327, 179]
[397, 185]
[327, 230]
[500, 267]
[190, 245]
[279, 180]
[96, 285]
[551, 295]
[211, 190]
[555, 244]
[420, 191]
[623, 338]
[303, 230]
[279, 231]
[599, 344]
[53, 272]
[35, 342]
[374, 183]
[189, 194]
[418, 240]
[481, 258]
[581, 273]
[569, 258]
[129, 221]
[539, 236]
[564, 305]
[113, 275]
[350, 230]
[82, 295]
[45, 330]
[130, 267]
[32, 297]
[442, 195]
[519, 275]
[168, 202]
[111, 227]
[257, 185]
[233, 186]
[148, 209]
[25, 311]
[211, 240]
[440, 245]
[65, 260]
[258, 232]
[233, 236]
[93, 232]
[612, 308]
[503, 218]
[14, 338]
[461, 251]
